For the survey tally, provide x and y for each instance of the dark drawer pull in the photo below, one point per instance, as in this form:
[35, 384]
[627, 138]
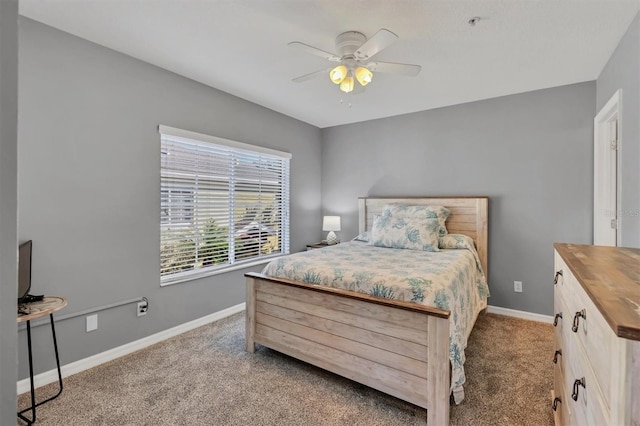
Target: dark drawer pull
[555, 403]
[576, 319]
[558, 274]
[555, 320]
[555, 356]
[576, 387]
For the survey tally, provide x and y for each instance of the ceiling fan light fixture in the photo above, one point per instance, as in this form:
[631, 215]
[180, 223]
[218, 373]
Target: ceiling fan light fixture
[338, 74]
[347, 84]
[363, 75]
[354, 51]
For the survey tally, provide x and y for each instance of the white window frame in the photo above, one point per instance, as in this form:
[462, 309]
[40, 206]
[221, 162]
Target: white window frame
[202, 140]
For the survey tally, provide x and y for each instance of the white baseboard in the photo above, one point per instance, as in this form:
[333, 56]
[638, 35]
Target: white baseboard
[519, 314]
[84, 364]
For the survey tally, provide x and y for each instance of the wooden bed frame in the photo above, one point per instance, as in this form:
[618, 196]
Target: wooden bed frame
[399, 348]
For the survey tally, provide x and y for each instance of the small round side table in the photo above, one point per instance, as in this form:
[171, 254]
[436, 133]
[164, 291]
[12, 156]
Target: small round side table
[26, 313]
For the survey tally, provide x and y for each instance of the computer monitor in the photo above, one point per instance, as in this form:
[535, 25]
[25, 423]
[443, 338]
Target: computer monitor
[24, 270]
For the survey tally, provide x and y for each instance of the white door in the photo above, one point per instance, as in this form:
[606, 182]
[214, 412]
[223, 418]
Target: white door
[606, 150]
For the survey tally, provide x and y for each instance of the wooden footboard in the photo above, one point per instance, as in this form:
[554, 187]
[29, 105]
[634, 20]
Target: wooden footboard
[396, 347]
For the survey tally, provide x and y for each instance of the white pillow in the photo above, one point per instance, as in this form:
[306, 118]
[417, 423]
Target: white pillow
[362, 237]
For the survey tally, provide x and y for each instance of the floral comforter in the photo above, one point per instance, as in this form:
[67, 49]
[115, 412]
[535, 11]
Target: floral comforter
[447, 279]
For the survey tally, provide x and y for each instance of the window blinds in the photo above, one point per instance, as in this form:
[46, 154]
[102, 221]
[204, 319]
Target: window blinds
[222, 203]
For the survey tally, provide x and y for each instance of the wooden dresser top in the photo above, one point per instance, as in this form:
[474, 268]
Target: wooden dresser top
[611, 278]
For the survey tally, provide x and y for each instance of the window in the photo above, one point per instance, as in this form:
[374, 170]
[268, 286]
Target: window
[223, 203]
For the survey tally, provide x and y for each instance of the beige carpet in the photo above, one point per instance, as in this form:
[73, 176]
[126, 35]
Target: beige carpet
[204, 377]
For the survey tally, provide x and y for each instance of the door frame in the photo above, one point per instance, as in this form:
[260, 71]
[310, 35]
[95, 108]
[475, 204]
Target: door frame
[606, 173]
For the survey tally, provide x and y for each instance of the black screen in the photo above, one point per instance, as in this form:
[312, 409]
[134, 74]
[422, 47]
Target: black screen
[24, 269]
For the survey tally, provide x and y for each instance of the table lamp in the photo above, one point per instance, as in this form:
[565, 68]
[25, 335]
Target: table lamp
[331, 223]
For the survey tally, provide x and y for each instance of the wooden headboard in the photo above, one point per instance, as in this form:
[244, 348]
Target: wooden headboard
[469, 216]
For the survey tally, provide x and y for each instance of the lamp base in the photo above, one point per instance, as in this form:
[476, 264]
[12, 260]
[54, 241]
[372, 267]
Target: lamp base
[331, 238]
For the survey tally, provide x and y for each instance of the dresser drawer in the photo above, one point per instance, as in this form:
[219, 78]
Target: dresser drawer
[593, 334]
[579, 380]
[558, 357]
[561, 273]
[560, 314]
[558, 398]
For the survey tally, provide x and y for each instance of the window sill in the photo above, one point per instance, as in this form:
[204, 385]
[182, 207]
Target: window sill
[223, 270]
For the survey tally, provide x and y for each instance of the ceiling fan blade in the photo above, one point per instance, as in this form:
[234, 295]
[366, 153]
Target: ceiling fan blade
[394, 68]
[315, 51]
[312, 75]
[375, 44]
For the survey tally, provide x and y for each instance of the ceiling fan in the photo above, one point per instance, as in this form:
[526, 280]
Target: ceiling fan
[354, 53]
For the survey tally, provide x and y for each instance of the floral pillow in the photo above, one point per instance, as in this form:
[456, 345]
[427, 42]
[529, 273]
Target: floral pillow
[456, 241]
[405, 233]
[425, 212]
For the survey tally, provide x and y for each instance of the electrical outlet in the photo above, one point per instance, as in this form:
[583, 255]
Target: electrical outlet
[92, 322]
[517, 286]
[142, 308]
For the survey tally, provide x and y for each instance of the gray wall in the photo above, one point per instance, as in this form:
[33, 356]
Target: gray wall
[8, 207]
[89, 196]
[623, 72]
[531, 153]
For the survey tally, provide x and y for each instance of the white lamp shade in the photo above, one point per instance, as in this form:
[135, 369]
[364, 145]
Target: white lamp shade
[338, 74]
[331, 223]
[363, 75]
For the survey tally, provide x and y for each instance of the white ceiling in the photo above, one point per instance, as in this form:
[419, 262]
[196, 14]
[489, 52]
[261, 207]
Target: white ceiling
[240, 46]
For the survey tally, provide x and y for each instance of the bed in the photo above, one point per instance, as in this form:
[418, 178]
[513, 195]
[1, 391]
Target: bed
[399, 347]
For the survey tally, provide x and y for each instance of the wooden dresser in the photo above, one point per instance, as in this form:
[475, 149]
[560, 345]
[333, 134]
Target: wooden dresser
[597, 335]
